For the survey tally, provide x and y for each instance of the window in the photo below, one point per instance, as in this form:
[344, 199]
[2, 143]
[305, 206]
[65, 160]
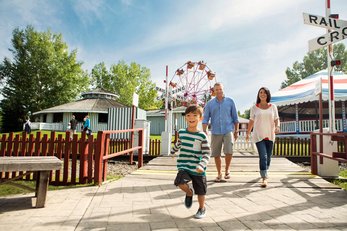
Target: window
[103, 118]
[57, 117]
[80, 116]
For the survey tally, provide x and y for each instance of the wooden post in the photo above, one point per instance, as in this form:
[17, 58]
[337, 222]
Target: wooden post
[105, 162]
[91, 154]
[313, 150]
[41, 188]
[60, 156]
[74, 149]
[132, 133]
[83, 158]
[66, 160]
[98, 158]
[140, 151]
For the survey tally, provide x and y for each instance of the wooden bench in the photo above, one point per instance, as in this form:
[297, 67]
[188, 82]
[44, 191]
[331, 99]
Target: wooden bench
[40, 164]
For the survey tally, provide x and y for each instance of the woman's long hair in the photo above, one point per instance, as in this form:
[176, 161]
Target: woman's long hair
[268, 94]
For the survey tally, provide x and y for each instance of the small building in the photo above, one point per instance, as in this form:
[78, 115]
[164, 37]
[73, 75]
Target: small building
[104, 111]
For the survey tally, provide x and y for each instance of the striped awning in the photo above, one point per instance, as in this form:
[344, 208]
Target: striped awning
[306, 89]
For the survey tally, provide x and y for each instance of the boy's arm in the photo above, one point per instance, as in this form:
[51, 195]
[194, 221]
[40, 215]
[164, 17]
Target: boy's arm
[176, 147]
[206, 152]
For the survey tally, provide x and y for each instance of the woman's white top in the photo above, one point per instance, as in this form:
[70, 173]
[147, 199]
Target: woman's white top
[264, 122]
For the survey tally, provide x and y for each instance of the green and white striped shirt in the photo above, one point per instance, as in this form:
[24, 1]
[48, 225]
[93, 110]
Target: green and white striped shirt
[194, 151]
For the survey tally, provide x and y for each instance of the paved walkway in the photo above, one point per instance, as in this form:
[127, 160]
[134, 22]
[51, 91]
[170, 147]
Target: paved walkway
[148, 200]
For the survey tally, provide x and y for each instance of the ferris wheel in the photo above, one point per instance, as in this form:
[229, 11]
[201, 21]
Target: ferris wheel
[192, 83]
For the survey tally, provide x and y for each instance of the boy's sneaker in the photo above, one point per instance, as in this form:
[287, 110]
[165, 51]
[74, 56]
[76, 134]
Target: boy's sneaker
[201, 213]
[188, 201]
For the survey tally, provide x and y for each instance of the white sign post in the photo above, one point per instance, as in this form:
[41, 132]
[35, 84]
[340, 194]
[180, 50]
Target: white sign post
[336, 31]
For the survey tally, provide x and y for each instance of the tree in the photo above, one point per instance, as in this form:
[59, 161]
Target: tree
[125, 80]
[313, 62]
[245, 115]
[42, 74]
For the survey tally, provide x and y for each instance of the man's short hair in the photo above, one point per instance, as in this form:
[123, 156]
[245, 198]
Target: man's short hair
[217, 84]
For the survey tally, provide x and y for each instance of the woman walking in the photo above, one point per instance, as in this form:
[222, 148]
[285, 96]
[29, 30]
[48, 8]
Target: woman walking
[265, 121]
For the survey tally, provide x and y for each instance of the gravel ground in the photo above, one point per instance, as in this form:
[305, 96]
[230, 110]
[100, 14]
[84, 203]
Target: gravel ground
[120, 167]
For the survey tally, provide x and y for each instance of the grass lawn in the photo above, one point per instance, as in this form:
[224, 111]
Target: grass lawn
[24, 187]
[341, 182]
[158, 137]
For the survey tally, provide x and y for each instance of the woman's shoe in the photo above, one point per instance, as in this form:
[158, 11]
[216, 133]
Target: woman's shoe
[218, 178]
[264, 183]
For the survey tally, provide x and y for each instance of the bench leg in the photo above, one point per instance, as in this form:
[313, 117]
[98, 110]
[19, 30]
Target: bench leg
[41, 188]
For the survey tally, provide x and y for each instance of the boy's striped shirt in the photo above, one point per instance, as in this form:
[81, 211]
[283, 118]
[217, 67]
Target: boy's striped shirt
[194, 151]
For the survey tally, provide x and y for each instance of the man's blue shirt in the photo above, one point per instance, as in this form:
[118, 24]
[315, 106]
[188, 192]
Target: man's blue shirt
[223, 115]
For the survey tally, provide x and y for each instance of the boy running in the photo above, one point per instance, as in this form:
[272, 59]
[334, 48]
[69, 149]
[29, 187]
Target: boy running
[192, 160]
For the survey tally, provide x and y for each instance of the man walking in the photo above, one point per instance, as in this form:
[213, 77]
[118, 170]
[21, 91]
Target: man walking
[73, 126]
[222, 112]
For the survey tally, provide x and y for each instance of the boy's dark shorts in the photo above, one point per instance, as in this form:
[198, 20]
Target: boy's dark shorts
[199, 182]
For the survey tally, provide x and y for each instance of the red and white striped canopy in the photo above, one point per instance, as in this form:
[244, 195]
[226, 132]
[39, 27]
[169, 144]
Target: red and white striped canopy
[305, 89]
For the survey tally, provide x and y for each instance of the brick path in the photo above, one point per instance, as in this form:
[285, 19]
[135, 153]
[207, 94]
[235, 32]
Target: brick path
[148, 200]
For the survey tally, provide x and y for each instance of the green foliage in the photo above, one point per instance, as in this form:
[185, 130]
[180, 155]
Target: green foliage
[124, 80]
[42, 74]
[343, 173]
[342, 182]
[313, 62]
[245, 115]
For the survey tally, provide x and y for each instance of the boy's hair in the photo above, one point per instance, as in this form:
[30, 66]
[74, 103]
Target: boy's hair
[194, 109]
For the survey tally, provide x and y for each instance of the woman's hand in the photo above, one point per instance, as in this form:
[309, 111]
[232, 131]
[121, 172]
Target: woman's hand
[277, 129]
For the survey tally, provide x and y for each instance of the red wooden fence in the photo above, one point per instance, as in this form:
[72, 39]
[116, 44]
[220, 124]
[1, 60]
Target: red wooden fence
[79, 156]
[76, 154]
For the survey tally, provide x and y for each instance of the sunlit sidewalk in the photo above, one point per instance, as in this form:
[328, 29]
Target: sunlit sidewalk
[148, 200]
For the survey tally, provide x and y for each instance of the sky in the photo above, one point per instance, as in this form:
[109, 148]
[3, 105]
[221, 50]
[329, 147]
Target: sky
[247, 43]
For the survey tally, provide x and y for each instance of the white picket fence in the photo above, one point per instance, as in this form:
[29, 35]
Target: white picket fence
[308, 126]
[241, 144]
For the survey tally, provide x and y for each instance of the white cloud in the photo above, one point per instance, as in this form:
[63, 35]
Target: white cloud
[204, 19]
[127, 2]
[88, 10]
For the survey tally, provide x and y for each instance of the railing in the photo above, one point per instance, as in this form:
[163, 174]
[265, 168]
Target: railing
[307, 126]
[103, 152]
[340, 155]
[63, 127]
[48, 126]
[66, 149]
[84, 159]
[291, 146]
[241, 144]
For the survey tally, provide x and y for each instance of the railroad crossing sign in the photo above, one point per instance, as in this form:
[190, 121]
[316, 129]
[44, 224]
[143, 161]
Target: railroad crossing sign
[338, 33]
[171, 92]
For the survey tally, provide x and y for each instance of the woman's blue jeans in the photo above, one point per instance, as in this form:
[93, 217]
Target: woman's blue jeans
[265, 152]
